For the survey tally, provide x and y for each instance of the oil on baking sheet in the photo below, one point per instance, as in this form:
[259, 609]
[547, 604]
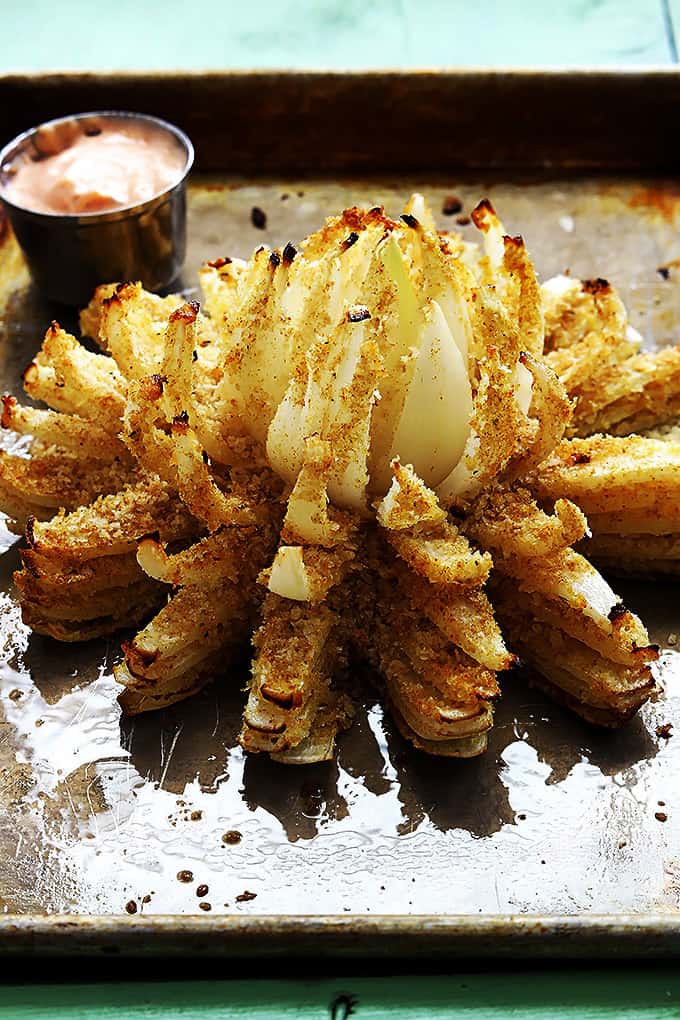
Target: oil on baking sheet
[165, 814]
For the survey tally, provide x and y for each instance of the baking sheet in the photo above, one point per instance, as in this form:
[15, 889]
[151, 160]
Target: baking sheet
[99, 815]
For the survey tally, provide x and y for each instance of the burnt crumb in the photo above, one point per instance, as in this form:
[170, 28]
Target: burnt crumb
[578, 458]
[623, 843]
[202, 891]
[343, 1006]
[410, 220]
[92, 132]
[661, 803]
[206, 458]
[194, 355]
[205, 906]
[351, 239]
[616, 612]
[218, 263]
[131, 907]
[185, 876]
[275, 259]
[664, 272]
[376, 209]
[661, 816]
[232, 837]
[289, 253]
[196, 816]
[463, 221]
[182, 418]
[665, 731]
[358, 314]
[452, 205]
[15, 694]
[245, 896]
[521, 818]
[596, 286]
[258, 218]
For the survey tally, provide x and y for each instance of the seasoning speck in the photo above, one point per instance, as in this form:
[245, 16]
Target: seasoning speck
[245, 896]
[232, 837]
[185, 876]
[661, 816]
[131, 907]
[202, 891]
[205, 906]
[258, 217]
[665, 731]
[452, 205]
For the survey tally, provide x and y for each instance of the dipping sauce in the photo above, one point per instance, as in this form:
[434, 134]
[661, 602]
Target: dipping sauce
[94, 165]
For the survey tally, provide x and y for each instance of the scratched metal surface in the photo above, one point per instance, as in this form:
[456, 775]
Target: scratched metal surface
[96, 811]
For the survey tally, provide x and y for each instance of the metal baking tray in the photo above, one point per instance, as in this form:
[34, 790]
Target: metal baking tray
[550, 844]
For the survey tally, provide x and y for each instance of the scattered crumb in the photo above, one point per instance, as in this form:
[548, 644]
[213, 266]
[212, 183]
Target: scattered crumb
[661, 816]
[463, 221]
[665, 731]
[232, 837]
[567, 223]
[15, 694]
[244, 897]
[185, 876]
[672, 639]
[623, 843]
[284, 196]
[196, 816]
[39, 722]
[205, 906]
[202, 891]
[146, 899]
[131, 907]
[452, 205]
[258, 218]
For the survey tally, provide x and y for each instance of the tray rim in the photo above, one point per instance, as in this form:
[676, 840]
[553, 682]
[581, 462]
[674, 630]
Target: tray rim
[344, 937]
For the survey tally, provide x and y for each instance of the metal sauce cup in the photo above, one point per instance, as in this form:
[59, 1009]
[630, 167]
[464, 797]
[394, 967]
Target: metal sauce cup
[70, 254]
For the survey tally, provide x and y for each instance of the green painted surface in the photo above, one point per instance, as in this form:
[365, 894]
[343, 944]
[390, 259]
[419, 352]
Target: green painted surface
[133, 34]
[539, 996]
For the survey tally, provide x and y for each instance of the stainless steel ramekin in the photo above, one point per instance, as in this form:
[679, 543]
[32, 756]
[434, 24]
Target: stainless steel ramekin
[69, 255]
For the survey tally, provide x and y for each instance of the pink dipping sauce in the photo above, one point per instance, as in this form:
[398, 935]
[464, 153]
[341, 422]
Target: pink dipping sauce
[109, 166]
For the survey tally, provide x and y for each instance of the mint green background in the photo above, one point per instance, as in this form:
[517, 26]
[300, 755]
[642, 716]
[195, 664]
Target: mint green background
[535, 996]
[142, 34]
[37, 35]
